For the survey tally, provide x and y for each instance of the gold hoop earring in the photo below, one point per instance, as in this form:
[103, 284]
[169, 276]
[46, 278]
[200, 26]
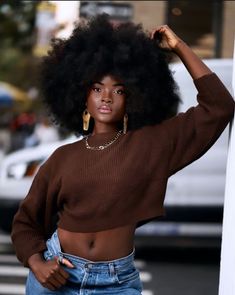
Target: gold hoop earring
[86, 119]
[125, 121]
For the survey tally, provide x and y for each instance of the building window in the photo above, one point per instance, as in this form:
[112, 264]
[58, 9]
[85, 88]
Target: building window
[199, 23]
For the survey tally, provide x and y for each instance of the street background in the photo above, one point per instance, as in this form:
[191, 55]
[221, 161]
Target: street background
[26, 31]
[26, 28]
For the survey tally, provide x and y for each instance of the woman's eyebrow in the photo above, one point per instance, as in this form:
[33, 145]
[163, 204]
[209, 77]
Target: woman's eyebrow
[119, 84]
[116, 84]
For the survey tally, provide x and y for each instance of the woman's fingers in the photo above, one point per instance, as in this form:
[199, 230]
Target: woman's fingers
[61, 276]
[56, 278]
[67, 263]
[63, 273]
[154, 33]
[54, 281]
[54, 275]
[165, 36]
[64, 261]
[51, 273]
[49, 286]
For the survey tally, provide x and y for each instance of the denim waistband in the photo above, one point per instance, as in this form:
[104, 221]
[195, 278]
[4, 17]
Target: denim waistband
[53, 245]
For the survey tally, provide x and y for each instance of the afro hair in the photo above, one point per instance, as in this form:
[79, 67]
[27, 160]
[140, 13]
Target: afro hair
[98, 48]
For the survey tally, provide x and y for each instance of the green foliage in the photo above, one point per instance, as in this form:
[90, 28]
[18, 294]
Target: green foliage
[17, 24]
[17, 35]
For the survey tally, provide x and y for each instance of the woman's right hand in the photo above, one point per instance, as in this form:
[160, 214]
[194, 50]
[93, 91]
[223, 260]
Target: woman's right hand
[168, 39]
[50, 274]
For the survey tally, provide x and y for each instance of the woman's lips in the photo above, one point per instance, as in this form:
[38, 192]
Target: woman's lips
[104, 109]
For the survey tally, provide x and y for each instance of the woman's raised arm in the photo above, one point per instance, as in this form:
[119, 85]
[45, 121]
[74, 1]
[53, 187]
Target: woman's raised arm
[168, 39]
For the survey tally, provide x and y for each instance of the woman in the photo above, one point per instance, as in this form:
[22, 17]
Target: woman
[114, 84]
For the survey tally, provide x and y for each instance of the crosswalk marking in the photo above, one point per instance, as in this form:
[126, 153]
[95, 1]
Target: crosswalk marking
[147, 292]
[140, 263]
[5, 239]
[8, 259]
[145, 276]
[13, 271]
[12, 289]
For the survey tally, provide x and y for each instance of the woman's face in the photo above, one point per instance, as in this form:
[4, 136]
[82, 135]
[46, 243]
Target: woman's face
[106, 101]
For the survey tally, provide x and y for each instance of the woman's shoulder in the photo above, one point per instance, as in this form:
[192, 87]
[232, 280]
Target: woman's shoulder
[65, 149]
[150, 135]
[150, 130]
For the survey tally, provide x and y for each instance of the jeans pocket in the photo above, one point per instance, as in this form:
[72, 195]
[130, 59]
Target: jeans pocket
[127, 275]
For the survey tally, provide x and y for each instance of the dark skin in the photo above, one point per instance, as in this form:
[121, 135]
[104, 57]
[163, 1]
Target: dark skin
[106, 104]
[109, 94]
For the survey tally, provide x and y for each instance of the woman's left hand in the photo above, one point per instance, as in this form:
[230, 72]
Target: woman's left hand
[167, 38]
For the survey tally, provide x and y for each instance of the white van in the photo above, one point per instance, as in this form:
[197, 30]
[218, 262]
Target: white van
[195, 195]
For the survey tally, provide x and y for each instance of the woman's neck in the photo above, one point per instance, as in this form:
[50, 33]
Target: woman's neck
[104, 129]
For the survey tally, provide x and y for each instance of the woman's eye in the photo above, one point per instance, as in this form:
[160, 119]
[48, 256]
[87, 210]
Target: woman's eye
[96, 89]
[119, 91]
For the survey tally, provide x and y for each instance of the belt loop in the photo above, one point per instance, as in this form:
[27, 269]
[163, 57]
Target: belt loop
[111, 269]
[58, 241]
[60, 257]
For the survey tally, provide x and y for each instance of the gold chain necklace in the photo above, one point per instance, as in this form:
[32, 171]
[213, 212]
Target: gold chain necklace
[104, 146]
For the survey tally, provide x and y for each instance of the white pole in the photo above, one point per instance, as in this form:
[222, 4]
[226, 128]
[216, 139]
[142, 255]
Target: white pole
[227, 264]
[67, 14]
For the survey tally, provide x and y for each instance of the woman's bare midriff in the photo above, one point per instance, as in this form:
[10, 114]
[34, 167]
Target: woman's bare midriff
[99, 246]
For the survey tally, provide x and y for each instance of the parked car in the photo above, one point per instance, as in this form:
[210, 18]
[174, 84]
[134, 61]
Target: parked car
[17, 171]
[194, 198]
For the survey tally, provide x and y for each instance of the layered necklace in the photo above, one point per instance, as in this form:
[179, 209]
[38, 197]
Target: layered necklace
[104, 146]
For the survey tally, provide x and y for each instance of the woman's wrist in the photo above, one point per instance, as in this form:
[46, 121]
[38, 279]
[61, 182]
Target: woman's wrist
[180, 47]
[192, 62]
[34, 260]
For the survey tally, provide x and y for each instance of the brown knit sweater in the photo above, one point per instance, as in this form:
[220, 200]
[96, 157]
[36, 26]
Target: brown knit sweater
[124, 183]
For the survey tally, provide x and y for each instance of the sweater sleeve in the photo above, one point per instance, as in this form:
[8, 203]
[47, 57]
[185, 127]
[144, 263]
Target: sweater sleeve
[192, 133]
[33, 220]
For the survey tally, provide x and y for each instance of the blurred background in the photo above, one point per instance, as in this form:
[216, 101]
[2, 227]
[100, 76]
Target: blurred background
[26, 28]
[184, 247]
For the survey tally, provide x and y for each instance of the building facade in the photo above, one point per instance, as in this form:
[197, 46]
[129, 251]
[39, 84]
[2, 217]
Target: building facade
[207, 26]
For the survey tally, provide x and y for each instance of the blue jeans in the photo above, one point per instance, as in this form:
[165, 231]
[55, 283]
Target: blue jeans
[102, 277]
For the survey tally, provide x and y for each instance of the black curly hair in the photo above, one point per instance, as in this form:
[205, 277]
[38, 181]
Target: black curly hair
[95, 49]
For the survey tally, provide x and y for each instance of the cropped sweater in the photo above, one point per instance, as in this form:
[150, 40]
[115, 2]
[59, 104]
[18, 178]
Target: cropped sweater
[125, 183]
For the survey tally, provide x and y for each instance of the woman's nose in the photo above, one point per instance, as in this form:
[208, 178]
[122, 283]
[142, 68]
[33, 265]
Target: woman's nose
[107, 97]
